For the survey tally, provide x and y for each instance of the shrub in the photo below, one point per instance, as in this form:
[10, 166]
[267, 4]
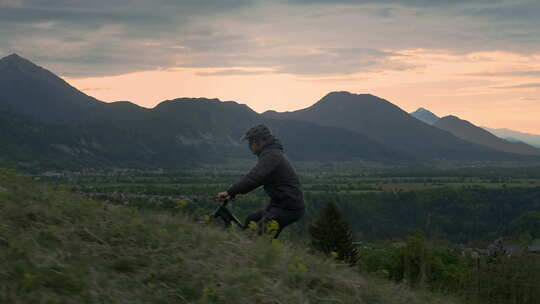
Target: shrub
[331, 234]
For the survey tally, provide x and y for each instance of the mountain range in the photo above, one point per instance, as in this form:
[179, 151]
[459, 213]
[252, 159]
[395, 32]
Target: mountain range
[474, 134]
[512, 135]
[384, 122]
[47, 123]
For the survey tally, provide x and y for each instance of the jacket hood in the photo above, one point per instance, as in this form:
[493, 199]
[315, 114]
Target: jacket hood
[273, 144]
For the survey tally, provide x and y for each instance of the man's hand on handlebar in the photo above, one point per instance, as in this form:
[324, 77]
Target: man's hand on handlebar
[222, 196]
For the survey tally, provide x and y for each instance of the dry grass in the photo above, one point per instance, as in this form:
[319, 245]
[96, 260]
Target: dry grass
[58, 248]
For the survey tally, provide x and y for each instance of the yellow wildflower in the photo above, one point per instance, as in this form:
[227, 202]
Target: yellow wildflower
[272, 226]
[181, 203]
[252, 225]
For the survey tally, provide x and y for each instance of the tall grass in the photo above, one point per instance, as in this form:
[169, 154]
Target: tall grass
[59, 248]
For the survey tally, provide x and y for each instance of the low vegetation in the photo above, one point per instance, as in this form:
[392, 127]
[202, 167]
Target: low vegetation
[498, 276]
[59, 248]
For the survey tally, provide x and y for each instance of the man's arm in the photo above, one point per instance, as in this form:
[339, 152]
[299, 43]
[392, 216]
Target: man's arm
[266, 164]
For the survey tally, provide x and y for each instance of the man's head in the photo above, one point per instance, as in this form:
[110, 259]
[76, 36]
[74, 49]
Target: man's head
[257, 137]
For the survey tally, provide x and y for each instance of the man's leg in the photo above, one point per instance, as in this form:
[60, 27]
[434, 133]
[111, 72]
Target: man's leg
[283, 217]
[254, 217]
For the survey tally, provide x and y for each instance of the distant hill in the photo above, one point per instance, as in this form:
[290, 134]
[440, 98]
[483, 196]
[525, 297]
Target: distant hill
[511, 139]
[468, 131]
[308, 141]
[389, 125]
[531, 139]
[425, 116]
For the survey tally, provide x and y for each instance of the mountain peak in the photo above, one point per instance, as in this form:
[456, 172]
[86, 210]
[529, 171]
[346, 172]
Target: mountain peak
[194, 99]
[425, 115]
[188, 100]
[422, 110]
[339, 93]
[452, 118]
[18, 62]
[345, 94]
[13, 58]
[191, 101]
[33, 91]
[345, 97]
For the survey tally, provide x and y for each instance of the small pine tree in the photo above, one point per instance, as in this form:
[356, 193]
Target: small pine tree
[331, 233]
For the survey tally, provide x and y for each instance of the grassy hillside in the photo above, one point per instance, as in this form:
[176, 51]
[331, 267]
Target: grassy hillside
[58, 248]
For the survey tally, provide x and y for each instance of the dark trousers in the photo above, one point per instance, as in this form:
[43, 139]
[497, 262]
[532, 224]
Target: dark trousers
[282, 216]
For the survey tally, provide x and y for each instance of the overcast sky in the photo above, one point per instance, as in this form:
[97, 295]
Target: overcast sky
[479, 60]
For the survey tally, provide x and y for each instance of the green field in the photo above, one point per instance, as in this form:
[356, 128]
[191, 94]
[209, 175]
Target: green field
[455, 202]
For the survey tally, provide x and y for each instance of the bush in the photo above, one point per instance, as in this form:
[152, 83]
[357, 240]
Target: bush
[332, 235]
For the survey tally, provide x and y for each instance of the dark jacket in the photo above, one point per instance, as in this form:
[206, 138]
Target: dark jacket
[275, 173]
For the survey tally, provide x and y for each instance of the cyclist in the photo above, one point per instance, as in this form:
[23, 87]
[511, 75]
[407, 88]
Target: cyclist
[275, 173]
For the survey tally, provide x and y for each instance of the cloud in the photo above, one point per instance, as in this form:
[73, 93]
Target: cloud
[303, 61]
[382, 12]
[79, 38]
[230, 72]
[96, 38]
[104, 51]
[513, 11]
[6, 3]
[121, 11]
[415, 3]
[529, 98]
[515, 21]
[506, 74]
[492, 24]
[521, 86]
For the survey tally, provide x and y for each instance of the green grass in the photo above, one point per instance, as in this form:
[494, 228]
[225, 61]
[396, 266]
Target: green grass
[59, 248]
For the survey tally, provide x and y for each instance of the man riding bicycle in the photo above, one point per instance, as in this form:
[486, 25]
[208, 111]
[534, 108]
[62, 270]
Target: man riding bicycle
[279, 179]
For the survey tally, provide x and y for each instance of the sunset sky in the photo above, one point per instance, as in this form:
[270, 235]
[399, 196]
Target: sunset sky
[477, 59]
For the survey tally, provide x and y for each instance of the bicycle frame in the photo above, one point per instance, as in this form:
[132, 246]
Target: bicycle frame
[226, 215]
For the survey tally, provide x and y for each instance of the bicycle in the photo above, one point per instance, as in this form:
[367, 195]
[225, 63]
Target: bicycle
[229, 218]
[226, 215]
